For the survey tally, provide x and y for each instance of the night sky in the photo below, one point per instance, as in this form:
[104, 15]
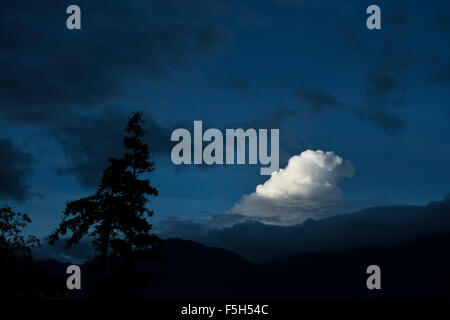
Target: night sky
[379, 99]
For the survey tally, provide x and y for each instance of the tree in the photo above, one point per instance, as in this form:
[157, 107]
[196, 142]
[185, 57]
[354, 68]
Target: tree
[96, 215]
[116, 215]
[12, 242]
[137, 189]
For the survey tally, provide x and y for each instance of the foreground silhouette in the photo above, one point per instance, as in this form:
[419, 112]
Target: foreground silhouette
[15, 249]
[116, 217]
[414, 270]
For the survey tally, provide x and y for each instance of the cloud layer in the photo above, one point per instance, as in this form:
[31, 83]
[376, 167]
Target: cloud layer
[88, 141]
[118, 45]
[306, 188]
[15, 168]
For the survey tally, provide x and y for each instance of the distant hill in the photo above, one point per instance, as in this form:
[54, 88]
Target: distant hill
[378, 226]
[417, 269]
[325, 259]
[260, 243]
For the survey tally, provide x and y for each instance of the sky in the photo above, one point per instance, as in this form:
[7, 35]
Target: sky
[363, 114]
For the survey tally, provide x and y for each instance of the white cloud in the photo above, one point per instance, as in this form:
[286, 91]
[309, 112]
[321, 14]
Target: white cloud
[306, 188]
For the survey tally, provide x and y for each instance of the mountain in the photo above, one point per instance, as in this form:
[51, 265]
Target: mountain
[261, 243]
[191, 269]
[378, 226]
[416, 269]
[325, 259]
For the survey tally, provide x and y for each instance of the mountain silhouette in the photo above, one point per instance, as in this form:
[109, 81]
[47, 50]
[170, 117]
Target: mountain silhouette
[325, 259]
[417, 269]
[377, 226]
[261, 243]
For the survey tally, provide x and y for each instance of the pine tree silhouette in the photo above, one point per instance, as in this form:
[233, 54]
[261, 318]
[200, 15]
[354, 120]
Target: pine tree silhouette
[116, 215]
[137, 190]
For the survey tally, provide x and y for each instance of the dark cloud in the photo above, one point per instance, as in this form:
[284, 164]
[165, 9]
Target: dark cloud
[88, 142]
[272, 121]
[397, 20]
[441, 71]
[384, 93]
[241, 85]
[440, 76]
[317, 101]
[390, 123]
[387, 80]
[292, 1]
[279, 115]
[389, 72]
[441, 21]
[236, 84]
[254, 19]
[381, 88]
[358, 39]
[324, 4]
[355, 40]
[387, 121]
[48, 69]
[14, 171]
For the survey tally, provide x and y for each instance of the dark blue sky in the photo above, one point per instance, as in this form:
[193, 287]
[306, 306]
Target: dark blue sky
[311, 68]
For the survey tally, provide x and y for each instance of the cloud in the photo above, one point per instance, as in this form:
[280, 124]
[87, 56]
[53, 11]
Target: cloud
[384, 82]
[48, 70]
[381, 86]
[14, 171]
[387, 80]
[271, 121]
[88, 142]
[254, 19]
[306, 188]
[391, 123]
[440, 76]
[389, 75]
[384, 93]
[240, 85]
[442, 22]
[317, 100]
